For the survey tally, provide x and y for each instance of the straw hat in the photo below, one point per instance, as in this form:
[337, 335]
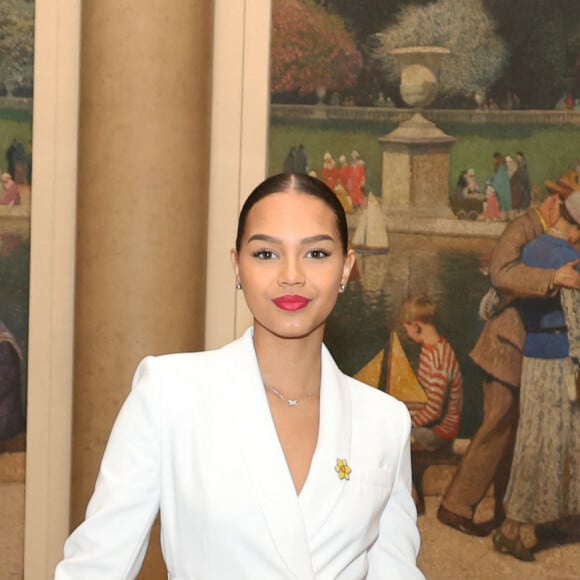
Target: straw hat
[570, 180]
[557, 188]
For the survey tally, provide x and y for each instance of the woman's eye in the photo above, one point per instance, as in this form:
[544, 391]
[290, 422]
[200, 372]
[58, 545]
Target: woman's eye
[318, 254]
[264, 255]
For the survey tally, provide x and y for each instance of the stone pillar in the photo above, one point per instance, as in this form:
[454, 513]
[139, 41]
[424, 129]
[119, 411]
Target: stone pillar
[415, 172]
[142, 207]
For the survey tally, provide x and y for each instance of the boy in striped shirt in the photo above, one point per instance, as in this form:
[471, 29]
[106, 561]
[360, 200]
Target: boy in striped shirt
[436, 422]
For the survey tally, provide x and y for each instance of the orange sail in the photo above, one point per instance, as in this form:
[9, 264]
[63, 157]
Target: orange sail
[402, 383]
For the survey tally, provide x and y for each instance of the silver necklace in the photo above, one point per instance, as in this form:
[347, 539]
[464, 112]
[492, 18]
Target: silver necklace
[291, 402]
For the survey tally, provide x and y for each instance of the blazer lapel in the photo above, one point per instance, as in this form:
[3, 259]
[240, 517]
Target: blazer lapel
[323, 487]
[264, 459]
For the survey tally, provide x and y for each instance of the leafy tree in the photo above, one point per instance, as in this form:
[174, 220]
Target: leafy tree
[16, 44]
[311, 48]
[543, 39]
[365, 17]
[478, 53]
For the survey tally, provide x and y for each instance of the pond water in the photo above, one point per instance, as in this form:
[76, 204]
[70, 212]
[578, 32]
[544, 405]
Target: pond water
[449, 269]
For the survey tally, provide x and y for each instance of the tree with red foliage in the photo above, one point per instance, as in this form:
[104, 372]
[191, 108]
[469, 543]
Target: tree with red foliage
[311, 49]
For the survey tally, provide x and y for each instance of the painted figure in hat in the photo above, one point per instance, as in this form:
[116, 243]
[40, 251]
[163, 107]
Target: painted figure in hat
[498, 353]
[548, 432]
[11, 411]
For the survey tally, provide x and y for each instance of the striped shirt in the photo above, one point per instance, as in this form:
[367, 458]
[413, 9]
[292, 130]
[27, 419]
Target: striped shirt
[440, 377]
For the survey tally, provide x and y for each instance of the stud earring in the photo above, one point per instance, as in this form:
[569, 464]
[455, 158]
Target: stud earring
[341, 287]
[238, 285]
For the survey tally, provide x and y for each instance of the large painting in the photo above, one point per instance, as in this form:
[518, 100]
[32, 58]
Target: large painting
[16, 68]
[16, 85]
[439, 124]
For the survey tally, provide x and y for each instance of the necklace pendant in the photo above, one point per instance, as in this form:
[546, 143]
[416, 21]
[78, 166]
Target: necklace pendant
[292, 402]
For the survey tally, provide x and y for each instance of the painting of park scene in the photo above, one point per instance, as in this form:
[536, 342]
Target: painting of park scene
[16, 92]
[495, 134]
[16, 82]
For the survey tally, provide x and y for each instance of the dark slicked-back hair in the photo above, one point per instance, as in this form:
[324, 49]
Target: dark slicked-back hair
[301, 183]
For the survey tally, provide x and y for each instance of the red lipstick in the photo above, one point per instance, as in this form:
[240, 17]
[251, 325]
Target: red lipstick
[291, 302]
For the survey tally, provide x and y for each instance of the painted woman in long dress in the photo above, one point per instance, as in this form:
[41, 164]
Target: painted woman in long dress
[544, 481]
[501, 183]
[358, 178]
[330, 171]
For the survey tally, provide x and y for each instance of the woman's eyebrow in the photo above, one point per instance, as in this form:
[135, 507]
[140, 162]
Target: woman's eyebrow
[319, 238]
[264, 238]
[274, 240]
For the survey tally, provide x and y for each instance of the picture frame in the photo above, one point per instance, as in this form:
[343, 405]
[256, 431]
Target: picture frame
[55, 120]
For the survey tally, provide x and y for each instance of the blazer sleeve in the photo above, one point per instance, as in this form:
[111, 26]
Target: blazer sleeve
[394, 554]
[112, 541]
[508, 273]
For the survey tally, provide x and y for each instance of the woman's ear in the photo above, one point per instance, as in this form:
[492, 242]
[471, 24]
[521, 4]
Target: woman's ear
[234, 261]
[349, 261]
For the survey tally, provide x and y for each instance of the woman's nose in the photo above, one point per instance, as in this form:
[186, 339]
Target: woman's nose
[291, 273]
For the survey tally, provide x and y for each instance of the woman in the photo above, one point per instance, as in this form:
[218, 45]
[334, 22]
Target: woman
[264, 459]
[330, 171]
[501, 183]
[358, 179]
[544, 481]
[11, 411]
[461, 189]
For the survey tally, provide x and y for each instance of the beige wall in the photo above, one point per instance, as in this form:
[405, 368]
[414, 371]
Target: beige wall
[237, 163]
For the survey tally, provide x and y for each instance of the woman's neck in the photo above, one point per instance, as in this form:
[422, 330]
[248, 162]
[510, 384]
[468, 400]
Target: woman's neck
[291, 365]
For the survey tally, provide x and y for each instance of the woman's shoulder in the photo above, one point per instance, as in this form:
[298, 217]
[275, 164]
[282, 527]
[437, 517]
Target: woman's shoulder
[377, 416]
[179, 361]
[374, 400]
[183, 366]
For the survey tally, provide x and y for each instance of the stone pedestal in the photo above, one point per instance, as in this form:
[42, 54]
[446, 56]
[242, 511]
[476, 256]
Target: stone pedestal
[415, 171]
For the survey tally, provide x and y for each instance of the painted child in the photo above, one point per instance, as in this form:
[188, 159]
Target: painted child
[435, 423]
[492, 210]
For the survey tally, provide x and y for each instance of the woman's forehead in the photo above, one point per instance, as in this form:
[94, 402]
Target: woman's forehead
[291, 211]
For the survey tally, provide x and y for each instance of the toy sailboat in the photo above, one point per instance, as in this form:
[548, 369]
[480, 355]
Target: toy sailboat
[401, 381]
[371, 231]
[371, 372]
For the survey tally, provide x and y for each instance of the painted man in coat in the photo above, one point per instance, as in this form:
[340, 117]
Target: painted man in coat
[196, 441]
[498, 352]
[11, 411]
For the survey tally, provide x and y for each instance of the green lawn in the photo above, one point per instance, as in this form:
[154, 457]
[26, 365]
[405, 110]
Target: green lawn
[550, 150]
[15, 123]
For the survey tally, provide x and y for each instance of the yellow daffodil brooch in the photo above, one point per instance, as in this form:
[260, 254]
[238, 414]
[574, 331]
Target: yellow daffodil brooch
[343, 469]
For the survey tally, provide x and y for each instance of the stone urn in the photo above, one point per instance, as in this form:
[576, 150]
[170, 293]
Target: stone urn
[419, 73]
[320, 94]
[419, 85]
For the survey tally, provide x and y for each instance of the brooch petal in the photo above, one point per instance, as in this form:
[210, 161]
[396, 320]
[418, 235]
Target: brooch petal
[343, 469]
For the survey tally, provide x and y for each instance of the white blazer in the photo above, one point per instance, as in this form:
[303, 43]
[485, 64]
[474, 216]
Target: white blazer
[195, 439]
